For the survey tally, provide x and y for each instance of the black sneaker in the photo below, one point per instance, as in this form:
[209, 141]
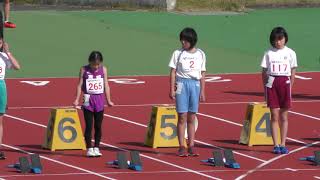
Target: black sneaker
[2, 156]
[182, 152]
[192, 152]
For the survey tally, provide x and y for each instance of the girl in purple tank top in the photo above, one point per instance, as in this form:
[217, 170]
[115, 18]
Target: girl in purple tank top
[93, 83]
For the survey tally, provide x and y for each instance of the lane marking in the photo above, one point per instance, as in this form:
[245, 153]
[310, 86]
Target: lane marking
[290, 169]
[305, 115]
[302, 77]
[240, 125]
[153, 172]
[274, 159]
[112, 146]
[60, 162]
[200, 142]
[36, 83]
[154, 104]
[161, 75]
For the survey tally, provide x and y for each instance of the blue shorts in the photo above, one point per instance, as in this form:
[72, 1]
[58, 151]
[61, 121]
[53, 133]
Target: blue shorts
[187, 95]
[3, 97]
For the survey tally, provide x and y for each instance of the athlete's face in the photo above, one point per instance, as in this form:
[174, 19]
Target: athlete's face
[185, 44]
[1, 43]
[95, 65]
[280, 43]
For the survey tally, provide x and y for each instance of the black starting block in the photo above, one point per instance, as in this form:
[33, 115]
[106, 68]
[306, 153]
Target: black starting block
[24, 166]
[36, 166]
[219, 161]
[123, 163]
[314, 159]
[135, 163]
[230, 161]
[2, 156]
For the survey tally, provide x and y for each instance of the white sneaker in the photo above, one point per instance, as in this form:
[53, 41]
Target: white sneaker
[97, 152]
[91, 153]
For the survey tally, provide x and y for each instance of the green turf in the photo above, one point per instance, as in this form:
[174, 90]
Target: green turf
[57, 43]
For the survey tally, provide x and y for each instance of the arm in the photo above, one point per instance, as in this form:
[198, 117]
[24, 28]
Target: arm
[78, 91]
[264, 81]
[293, 73]
[14, 62]
[172, 83]
[202, 87]
[107, 88]
[264, 76]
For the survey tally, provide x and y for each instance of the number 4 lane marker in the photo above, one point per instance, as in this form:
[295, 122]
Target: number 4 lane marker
[36, 83]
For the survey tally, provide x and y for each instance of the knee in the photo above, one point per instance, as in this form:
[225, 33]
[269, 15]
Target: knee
[190, 121]
[274, 117]
[182, 119]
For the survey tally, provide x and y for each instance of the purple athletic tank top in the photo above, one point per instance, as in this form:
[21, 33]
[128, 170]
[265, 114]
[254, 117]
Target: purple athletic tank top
[93, 89]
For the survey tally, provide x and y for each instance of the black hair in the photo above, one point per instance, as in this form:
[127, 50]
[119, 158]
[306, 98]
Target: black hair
[276, 34]
[189, 35]
[95, 56]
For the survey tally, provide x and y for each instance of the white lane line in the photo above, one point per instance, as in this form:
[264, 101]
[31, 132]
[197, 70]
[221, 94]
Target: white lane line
[60, 162]
[305, 115]
[155, 75]
[154, 104]
[200, 142]
[109, 145]
[164, 162]
[155, 172]
[274, 159]
[237, 124]
[290, 169]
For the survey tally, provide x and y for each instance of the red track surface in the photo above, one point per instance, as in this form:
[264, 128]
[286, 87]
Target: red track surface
[226, 103]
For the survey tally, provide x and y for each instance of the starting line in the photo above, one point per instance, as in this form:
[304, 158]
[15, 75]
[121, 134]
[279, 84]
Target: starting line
[155, 172]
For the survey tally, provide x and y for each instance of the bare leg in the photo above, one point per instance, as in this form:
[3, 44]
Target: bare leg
[283, 125]
[182, 117]
[191, 128]
[1, 128]
[274, 124]
[6, 5]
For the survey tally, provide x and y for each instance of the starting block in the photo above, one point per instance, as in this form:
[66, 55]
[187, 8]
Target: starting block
[216, 161]
[230, 161]
[219, 161]
[2, 156]
[314, 159]
[123, 163]
[135, 163]
[24, 166]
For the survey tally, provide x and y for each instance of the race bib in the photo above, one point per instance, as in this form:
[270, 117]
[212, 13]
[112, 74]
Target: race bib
[280, 69]
[179, 87]
[270, 81]
[95, 85]
[188, 65]
[86, 99]
[2, 71]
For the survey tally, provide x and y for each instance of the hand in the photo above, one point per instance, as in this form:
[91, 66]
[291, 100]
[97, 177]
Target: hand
[110, 103]
[5, 47]
[202, 97]
[172, 95]
[76, 103]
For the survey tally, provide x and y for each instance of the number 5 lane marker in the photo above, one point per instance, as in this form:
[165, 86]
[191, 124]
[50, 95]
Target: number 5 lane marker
[109, 145]
[200, 142]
